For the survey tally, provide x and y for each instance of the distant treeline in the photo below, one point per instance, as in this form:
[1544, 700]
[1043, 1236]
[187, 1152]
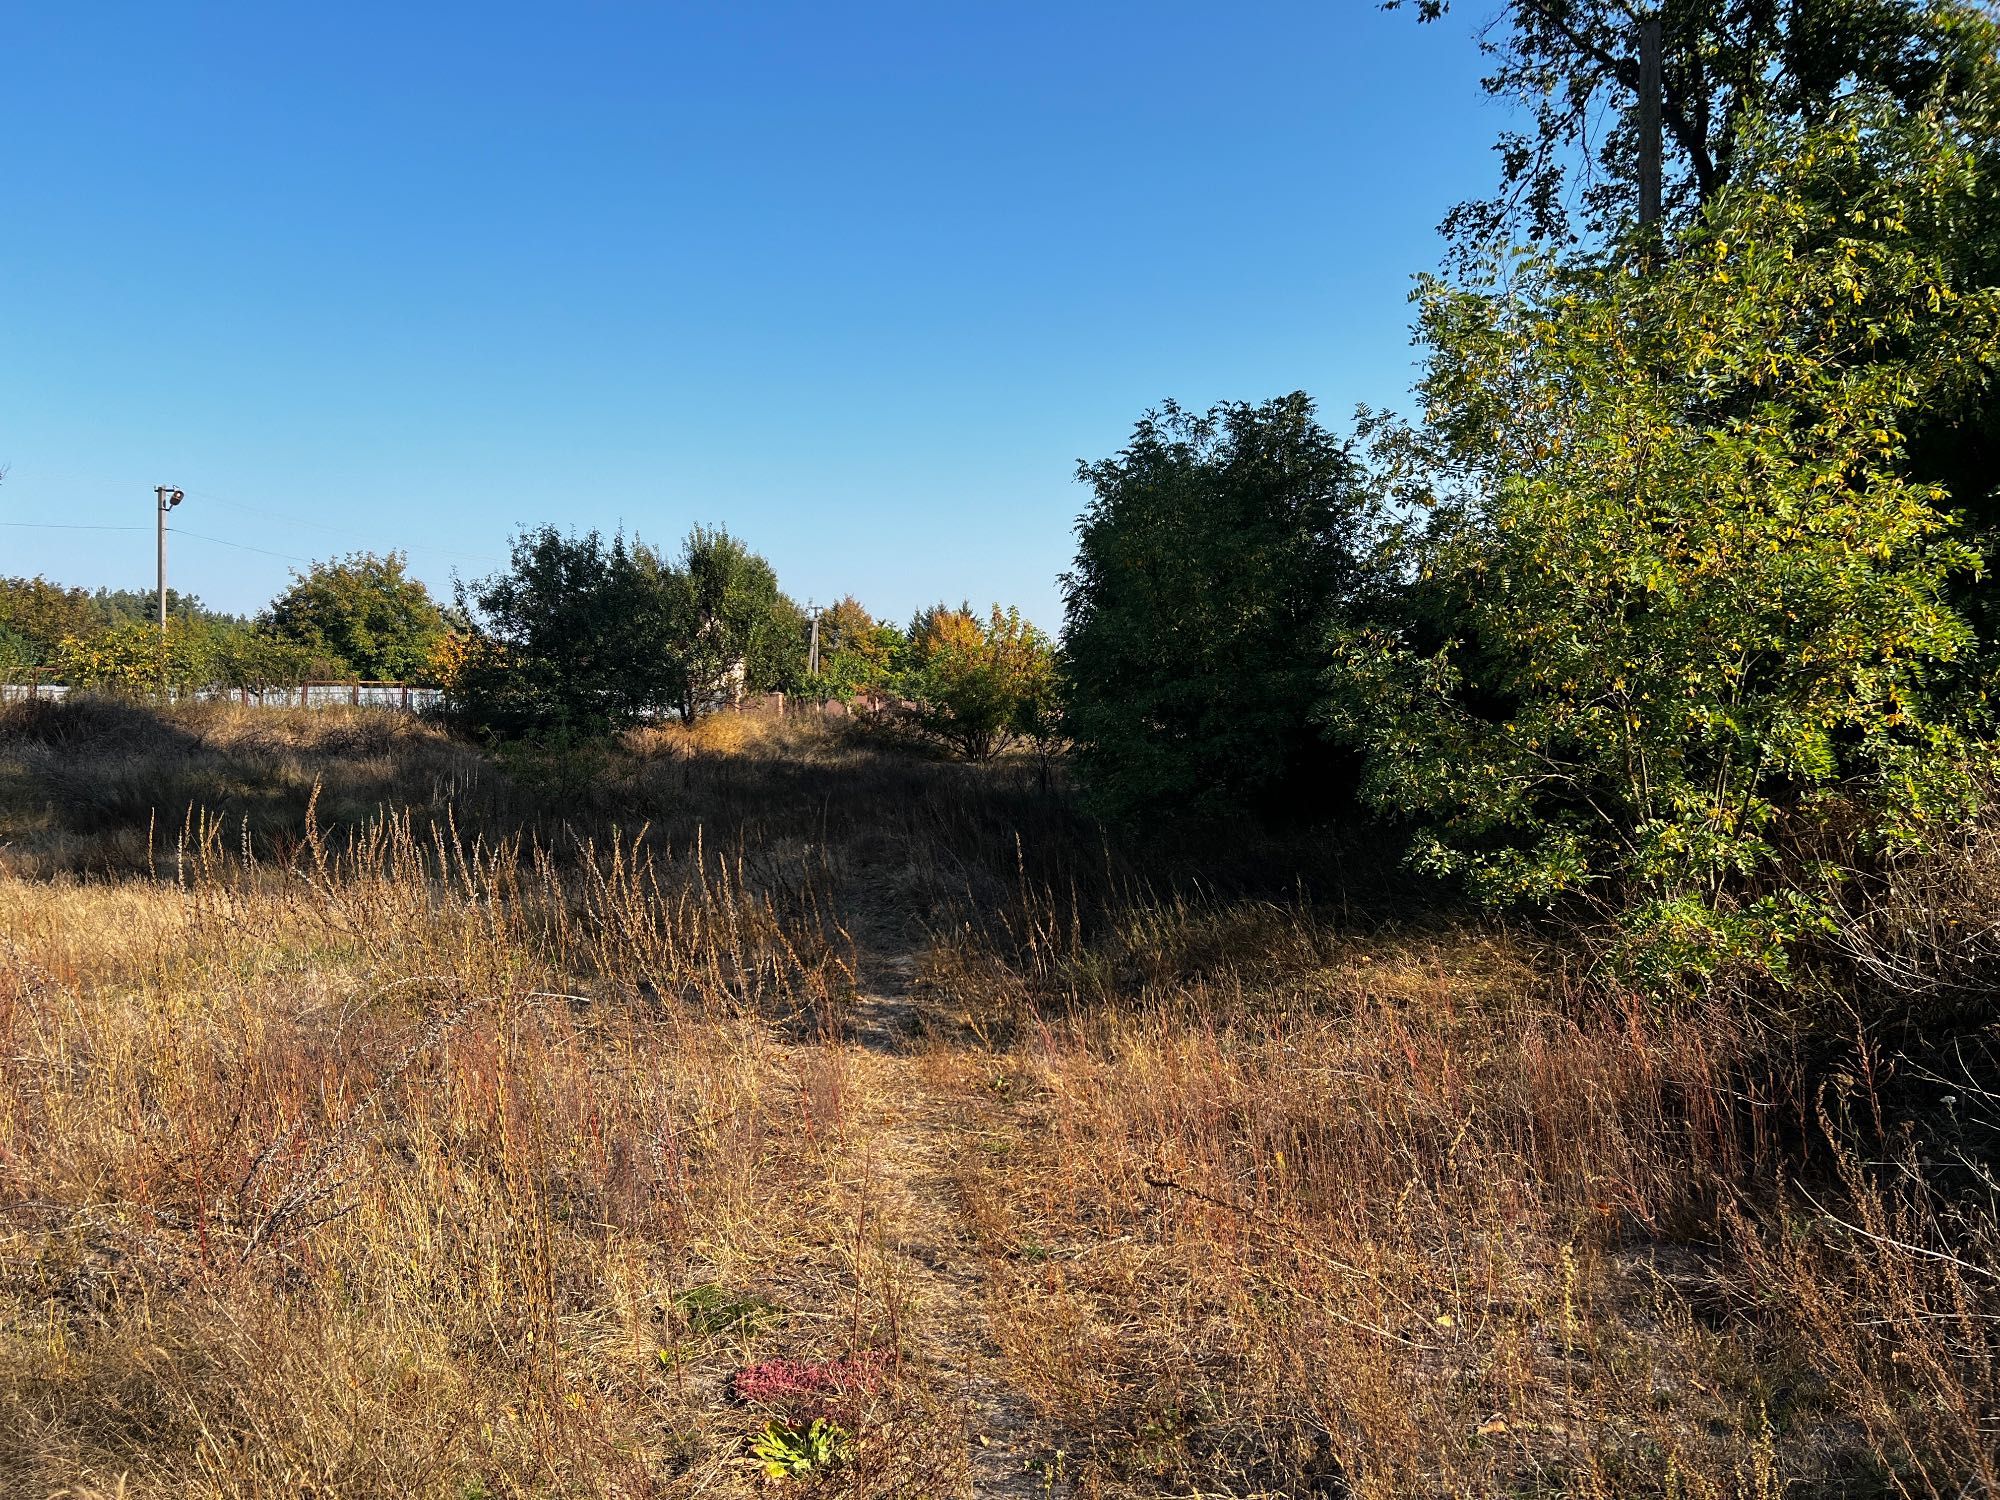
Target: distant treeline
[579, 636]
[354, 618]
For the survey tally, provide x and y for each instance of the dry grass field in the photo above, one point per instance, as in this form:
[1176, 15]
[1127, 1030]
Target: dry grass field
[377, 1118]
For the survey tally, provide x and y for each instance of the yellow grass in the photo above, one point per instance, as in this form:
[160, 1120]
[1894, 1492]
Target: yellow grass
[411, 1151]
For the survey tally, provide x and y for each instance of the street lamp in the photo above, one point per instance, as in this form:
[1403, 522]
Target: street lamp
[168, 497]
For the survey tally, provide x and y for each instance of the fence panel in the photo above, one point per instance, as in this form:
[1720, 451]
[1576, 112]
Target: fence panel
[397, 697]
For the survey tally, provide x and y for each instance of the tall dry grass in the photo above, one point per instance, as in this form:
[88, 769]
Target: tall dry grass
[384, 1161]
[1275, 1208]
[376, 1118]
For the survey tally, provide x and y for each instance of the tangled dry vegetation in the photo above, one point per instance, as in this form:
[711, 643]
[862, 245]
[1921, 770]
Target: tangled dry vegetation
[378, 1119]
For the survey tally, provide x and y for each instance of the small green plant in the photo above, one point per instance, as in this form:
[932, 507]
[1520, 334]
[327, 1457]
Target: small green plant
[712, 1310]
[1051, 1470]
[787, 1452]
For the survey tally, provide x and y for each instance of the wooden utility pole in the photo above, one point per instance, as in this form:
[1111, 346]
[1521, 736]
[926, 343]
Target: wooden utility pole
[1649, 120]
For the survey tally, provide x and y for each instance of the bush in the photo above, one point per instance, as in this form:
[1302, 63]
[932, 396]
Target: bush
[977, 687]
[192, 655]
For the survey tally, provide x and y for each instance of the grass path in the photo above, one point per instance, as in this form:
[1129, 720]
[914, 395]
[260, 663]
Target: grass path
[933, 1268]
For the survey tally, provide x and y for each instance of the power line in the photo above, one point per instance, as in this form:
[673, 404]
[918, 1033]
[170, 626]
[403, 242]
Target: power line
[239, 546]
[341, 531]
[486, 559]
[65, 527]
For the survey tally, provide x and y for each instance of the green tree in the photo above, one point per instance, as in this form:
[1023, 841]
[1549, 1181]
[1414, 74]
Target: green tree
[975, 686]
[575, 637]
[364, 610]
[857, 652]
[36, 616]
[1571, 68]
[1701, 601]
[738, 630]
[1215, 551]
[776, 660]
[581, 636]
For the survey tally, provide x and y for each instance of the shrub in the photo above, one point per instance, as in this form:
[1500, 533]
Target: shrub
[976, 686]
[191, 655]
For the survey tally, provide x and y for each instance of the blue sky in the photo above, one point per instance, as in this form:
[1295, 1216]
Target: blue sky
[861, 282]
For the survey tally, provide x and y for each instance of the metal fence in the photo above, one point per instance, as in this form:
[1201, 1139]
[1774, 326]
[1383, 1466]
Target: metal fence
[402, 697]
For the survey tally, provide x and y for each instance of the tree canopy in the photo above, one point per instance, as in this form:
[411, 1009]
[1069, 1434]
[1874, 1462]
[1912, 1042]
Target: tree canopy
[1215, 552]
[365, 611]
[1700, 600]
[1573, 67]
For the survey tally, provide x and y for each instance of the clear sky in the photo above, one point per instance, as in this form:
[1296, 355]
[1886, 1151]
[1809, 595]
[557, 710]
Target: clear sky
[860, 281]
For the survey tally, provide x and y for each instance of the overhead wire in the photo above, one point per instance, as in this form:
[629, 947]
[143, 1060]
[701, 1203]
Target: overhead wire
[342, 531]
[65, 526]
[239, 546]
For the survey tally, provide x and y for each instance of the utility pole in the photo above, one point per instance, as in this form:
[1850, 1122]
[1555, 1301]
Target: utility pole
[168, 497]
[1649, 120]
[812, 652]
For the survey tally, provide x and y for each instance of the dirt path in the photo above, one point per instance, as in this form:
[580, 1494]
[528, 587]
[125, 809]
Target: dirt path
[934, 1267]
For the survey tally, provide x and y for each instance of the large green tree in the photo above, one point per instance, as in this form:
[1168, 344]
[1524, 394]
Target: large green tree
[737, 631]
[1697, 601]
[364, 610]
[1728, 69]
[1215, 552]
[1572, 70]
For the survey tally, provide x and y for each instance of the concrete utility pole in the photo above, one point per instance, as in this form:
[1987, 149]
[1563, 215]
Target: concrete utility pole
[812, 651]
[1649, 120]
[168, 497]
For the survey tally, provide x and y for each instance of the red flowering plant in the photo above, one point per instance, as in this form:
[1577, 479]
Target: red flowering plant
[813, 1388]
